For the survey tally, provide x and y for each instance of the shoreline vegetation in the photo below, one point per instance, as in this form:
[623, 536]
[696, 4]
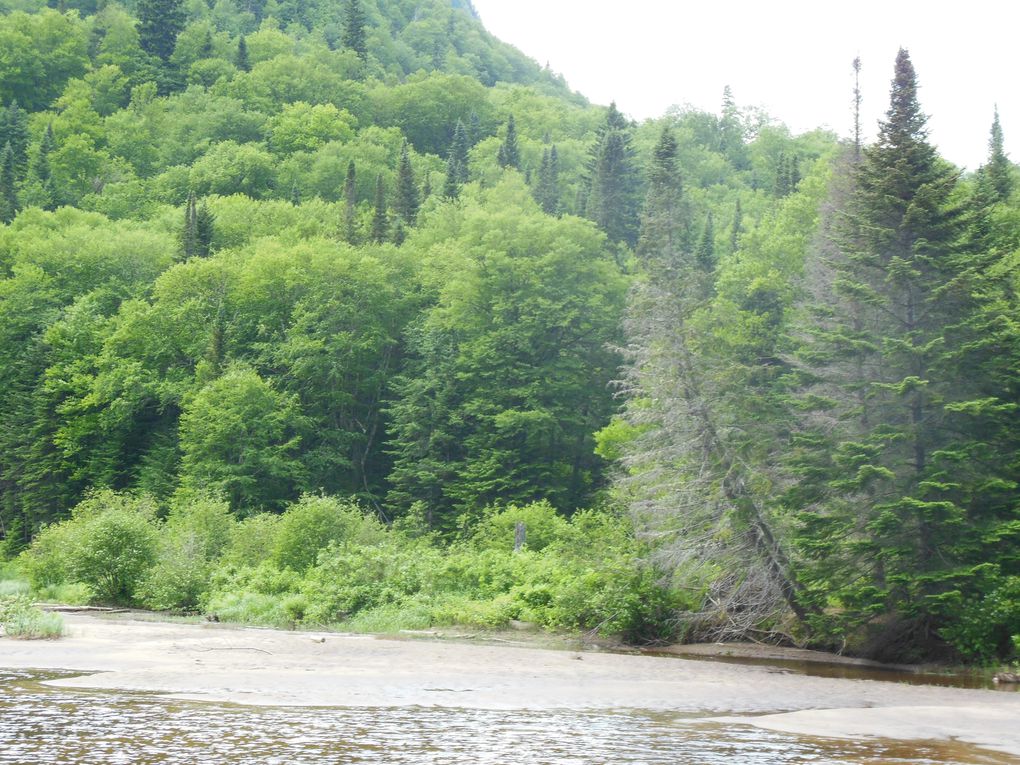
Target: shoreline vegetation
[343, 313]
[265, 666]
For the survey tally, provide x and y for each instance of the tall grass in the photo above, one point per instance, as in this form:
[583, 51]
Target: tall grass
[21, 620]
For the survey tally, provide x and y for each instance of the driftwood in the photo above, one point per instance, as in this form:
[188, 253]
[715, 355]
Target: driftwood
[1006, 677]
[76, 609]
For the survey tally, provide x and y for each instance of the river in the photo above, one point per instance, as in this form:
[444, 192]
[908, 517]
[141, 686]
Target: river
[46, 725]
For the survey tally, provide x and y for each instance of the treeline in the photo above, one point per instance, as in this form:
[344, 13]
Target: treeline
[310, 251]
[823, 427]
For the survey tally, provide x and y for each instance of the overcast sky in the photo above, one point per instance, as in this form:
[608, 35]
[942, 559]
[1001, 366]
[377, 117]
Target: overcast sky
[792, 57]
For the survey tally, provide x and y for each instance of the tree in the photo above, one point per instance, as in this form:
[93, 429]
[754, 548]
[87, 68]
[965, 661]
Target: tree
[737, 227]
[547, 190]
[239, 436]
[9, 205]
[883, 493]
[857, 108]
[242, 61]
[407, 199]
[704, 254]
[350, 205]
[14, 131]
[997, 176]
[665, 223]
[459, 152]
[354, 37]
[380, 218]
[509, 154]
[159, 24]
[612, 180]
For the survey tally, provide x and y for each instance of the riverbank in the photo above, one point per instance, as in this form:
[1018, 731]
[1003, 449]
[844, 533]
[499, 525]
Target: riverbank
[270, 667]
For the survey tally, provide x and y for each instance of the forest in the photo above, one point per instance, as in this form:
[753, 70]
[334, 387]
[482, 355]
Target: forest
[323, 312]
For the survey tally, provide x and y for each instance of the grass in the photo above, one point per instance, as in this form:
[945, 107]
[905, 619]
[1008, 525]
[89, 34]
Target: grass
[23, 621]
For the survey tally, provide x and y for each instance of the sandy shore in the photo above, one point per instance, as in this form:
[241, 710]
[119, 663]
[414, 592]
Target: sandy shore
[268, 667]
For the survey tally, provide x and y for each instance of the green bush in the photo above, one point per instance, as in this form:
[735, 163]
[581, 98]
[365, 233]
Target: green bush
[20, 619]
[196, 531]
[253, 540]
[985, 629]
[543, 526]
[312, 523]
[108, 544]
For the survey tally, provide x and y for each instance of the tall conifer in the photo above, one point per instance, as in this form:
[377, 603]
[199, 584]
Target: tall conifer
[159, 24]
[350, 204]
[380, 218]
[509, 154]
[407, 200]
[354, 35]
[8, 185]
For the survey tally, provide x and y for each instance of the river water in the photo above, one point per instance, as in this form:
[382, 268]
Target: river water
[46, 725]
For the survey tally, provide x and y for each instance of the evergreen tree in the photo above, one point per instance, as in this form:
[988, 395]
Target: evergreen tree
[159, 24]
[354, 35]
[997, 174]
[350, 205]
[509, 154]
[612, 180]
[666, 218]
[14, 131]
[206, 51]
[886, 325]
[41, 168]
[242, 61]
[407, 200]
[380, 219]
[474, 130]
[426, 186]
[451, 186]
[704, 255]
[737, 228]
[205, 229]
[459, 152]
[8, 188]
[189, 232]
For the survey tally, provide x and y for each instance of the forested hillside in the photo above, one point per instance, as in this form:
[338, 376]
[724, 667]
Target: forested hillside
[306, 305]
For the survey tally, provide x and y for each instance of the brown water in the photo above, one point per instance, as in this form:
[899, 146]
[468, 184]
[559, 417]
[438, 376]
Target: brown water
[43, 725]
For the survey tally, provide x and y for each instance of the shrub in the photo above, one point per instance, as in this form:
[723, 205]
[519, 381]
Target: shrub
[20, 619]
[108, 544]
[253, 540]
[196, 532]
[314, 522]
[542, 524]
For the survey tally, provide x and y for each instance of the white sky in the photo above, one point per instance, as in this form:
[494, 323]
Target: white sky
[792, 57]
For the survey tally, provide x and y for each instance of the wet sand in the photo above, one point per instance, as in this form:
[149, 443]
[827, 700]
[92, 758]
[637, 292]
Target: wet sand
[270, 667]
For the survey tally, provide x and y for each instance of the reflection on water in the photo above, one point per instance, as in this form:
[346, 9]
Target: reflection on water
[49, 726]
[974, 679]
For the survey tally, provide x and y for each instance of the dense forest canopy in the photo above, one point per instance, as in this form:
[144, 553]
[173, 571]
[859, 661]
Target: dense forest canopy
[313, 302]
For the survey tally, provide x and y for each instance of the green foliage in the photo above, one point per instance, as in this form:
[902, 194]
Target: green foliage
[315, 522]
[20, 620]
[108, 544]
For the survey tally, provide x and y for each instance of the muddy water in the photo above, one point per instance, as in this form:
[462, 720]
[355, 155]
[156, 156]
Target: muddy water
[43, 725]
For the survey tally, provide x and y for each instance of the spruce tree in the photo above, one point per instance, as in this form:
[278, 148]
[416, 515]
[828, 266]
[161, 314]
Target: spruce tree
[350, 205]
[354, 35]
[451, 186]
[666, 217]
[704, 254]
[189, 232]
[612, 180]
[41, 168]
[887, 499]
[459, 152]
[997, 174]
[8, 185]
[205, 230]
[159, 24]
[14, 130]
[407, 200]
[509, 154]
[380, 219]
[737, 228]
[857, 108]
[242, 61]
